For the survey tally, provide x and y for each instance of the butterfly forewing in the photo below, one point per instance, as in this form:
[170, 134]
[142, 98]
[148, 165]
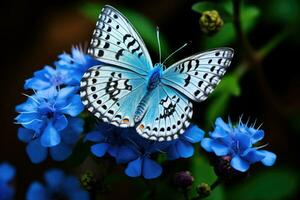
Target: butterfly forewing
[107, 90]
[115, 41]
[198, 75]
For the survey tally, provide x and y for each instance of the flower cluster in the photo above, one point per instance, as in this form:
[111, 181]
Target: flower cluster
[50, 116]
[237, 143]
[7, 173]
[126, 146]
[58, 186]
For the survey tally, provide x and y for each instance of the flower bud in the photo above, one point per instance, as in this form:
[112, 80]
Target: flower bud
[203, 190]
[210, 22]
[183, 179]
[87, 180]
[224, 170]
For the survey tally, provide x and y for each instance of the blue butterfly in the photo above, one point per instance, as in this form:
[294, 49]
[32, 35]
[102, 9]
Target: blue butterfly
[127, 90]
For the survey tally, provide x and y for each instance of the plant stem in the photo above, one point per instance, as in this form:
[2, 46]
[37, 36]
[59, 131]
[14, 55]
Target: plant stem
[215, 184]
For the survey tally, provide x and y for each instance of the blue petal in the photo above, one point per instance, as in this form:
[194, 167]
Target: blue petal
[244, 141]
[239, 164]
[269, 159]
[54, 178]
[151, 169]
[172, 152]
[50, 136]
[134, 168]
[36, 152]
[6, 192]
[99, 149]
[60, 122]
[60, 152]
[79, 195]
[25, 135]
[71, 184]
[193, 134]
[36, 191]
[71, 134]
[65, 93]
[219, 148]
[113, 150]
[220, 123]
[206, 144]
[253, 156]
[125, 154]
[7, 172]
[218, 133]
[184, 149]
[75, 107]
[94, 136]
[257, 135]
[37, 84]
[29, 106]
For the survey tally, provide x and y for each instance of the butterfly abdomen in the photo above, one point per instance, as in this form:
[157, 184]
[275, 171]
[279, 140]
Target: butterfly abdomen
[142, 107]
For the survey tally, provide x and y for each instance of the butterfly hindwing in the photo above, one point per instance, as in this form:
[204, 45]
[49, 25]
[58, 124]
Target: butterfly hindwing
[167, 116]
[198, 75]
[107, 90]
[116, 42]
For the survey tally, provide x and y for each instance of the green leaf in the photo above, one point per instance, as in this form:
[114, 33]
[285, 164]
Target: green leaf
[204, 173]
[283, 12]
[222, 38]
[216, 108]
[224, 8]
[144, 26]
[229, 85]
[273, 184]
[249, 17]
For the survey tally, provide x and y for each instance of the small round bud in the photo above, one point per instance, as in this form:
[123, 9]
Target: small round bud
[88, 180]
[210, 22]
[224, 170]
[203, 190]
[183, 179]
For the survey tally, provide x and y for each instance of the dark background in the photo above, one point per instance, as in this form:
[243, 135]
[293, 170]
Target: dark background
[33, 33]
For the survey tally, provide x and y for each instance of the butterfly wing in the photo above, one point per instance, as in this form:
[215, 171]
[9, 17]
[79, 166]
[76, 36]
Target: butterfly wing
[112, 93]
[167, 116]
[115, 41]
[197, 76]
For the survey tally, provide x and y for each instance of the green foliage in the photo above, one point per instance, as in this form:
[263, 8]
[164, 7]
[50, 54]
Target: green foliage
[203, 172]
[228, 87]
[273, 184]
[249, 17]
[143, 25]
[284, 12]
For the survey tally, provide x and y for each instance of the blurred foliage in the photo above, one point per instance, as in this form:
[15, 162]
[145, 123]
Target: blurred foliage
[203, 173]
[273, 184]
[143, 25]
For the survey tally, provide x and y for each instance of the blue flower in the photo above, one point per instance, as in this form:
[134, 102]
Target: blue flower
[47, 78]
[7, 173]
[143, 164]
[237, 143]
[112, 140]
[58, 186]
[183, 146]
[69, 136]
[46, 113]
[75, 64]
[127, 146]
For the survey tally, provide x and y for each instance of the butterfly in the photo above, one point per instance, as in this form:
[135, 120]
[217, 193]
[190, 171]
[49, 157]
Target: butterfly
[127, 90]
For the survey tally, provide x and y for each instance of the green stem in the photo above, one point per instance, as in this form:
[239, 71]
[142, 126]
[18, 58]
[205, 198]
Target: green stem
[215, 184]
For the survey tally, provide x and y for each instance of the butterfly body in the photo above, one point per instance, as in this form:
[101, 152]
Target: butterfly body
[127, 90]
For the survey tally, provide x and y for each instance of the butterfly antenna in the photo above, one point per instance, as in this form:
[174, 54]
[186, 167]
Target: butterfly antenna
[158, 42]
[176, 51]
